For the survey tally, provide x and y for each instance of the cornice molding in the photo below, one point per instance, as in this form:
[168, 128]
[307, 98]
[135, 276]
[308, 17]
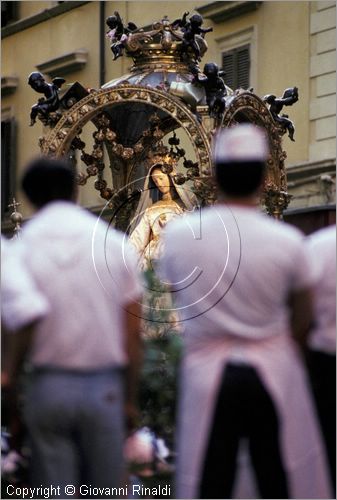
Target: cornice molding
[219, 12]
[45, 15]
[314, 208]
[66, 63]
[308, 169]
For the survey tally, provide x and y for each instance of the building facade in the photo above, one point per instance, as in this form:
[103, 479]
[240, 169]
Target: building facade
[265, 45]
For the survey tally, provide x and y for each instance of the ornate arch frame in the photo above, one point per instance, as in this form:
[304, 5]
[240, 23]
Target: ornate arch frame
[242, 106]
[246, 106]
[59, 139]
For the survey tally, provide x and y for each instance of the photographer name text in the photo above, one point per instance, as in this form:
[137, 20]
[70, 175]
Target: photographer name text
[127, 491]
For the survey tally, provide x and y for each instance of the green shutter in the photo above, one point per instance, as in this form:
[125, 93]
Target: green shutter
[8, 163]
[9, 12]
[228, 67]
[236, 64]
[243, 65]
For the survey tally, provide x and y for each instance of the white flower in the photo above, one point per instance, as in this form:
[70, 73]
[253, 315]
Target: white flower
[139, 448]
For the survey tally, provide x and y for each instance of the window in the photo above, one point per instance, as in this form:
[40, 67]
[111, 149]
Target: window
[8, 163]
[236, 64]
[237, 55]
[9, 13]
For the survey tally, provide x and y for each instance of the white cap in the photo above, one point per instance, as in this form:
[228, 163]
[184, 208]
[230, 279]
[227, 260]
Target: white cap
[241, 143]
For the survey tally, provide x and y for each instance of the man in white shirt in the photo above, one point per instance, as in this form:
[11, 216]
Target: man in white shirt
[322, 340]
[22, 305]
[85, 352]
[242, 287]
[21, 302]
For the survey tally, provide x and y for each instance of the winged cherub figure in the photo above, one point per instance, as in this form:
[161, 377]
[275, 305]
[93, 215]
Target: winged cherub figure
[290, 96]
[192, 29]
[50, 102]
[118, 33]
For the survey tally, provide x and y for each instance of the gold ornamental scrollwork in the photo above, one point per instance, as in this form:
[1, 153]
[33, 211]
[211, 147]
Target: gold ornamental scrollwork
[246, 106]
[275, 200]
[59, 139]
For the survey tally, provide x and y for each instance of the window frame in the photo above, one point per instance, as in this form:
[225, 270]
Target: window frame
[238, 39]
[235, 53]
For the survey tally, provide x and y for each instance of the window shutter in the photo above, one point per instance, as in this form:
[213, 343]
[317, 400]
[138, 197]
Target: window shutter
[9, 12]
[243, 65]
[8, 163]
[228, 67]
[236, 64]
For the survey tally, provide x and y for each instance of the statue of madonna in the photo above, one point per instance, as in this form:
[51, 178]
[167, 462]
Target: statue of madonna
[162, 200]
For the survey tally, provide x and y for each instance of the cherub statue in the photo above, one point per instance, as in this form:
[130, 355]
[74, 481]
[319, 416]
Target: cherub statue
[180, 23]
[118, 33]
[215, 88]
[50, 102]
[290, 96]
[191, 29]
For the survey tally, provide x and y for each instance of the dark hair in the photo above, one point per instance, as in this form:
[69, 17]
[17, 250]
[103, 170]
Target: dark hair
[240, 178]
[47, 180]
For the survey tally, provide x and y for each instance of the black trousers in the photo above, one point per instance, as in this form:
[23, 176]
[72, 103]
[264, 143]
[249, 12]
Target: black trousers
[244, 409]
[322, 370]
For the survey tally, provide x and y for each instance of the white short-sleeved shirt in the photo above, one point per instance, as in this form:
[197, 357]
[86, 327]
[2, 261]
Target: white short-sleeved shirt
[232, 270]
[87, 272]
[322, 246]
[21, 301]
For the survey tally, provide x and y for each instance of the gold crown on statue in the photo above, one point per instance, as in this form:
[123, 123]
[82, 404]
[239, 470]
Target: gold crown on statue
[161, 154]
[165, 43]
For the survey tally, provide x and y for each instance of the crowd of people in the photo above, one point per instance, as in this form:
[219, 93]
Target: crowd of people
[256, 300]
